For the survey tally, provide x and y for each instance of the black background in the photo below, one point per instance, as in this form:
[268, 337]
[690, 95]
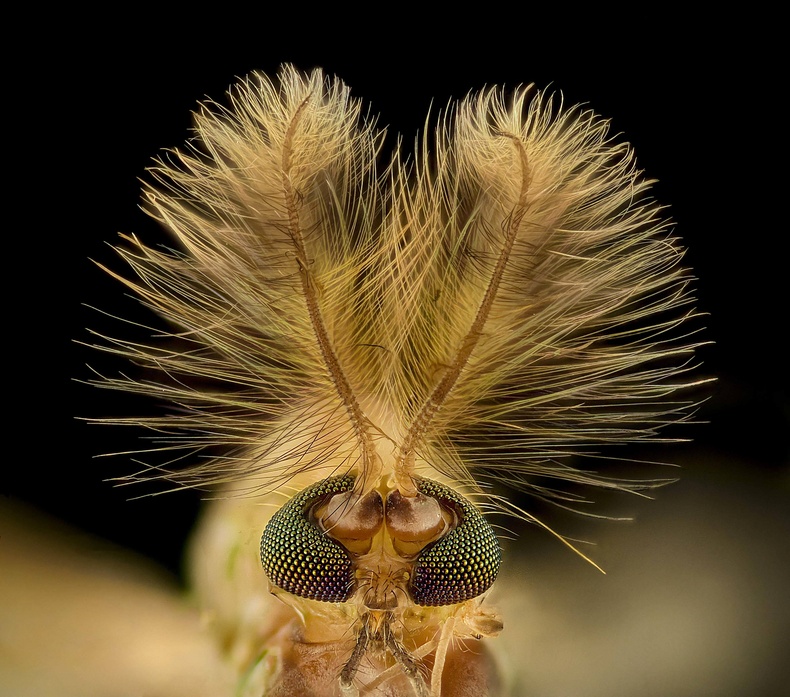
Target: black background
[93, 99]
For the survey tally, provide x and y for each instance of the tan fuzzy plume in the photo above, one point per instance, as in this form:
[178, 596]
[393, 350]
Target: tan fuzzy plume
[510, 297]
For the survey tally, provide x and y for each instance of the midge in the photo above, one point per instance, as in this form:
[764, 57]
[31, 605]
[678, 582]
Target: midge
[366, 352]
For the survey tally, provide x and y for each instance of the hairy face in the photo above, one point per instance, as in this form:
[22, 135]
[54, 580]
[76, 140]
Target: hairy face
[373, 349]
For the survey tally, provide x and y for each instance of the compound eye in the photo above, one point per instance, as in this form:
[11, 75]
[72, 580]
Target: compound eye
[299, 557]
[464, 562]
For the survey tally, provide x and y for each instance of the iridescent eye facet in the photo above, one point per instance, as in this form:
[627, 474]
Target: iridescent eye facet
[311, 547]
[464, 562]
[299, 557]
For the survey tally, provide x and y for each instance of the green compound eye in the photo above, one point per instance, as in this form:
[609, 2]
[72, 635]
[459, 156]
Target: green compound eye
[300, 558]
[463, 563]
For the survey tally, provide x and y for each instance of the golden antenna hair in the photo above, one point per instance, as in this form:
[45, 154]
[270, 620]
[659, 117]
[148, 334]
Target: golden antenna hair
[515, 297]
[272, 210]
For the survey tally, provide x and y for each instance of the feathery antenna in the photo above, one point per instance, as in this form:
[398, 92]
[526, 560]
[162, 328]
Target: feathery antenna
[511, 297]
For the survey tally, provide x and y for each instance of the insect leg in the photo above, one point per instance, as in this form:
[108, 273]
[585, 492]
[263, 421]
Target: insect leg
[441, 655]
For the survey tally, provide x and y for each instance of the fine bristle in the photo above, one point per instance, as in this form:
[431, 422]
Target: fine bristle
[509, 297]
